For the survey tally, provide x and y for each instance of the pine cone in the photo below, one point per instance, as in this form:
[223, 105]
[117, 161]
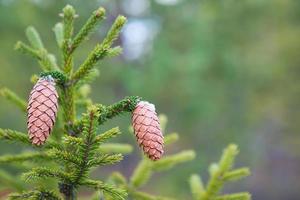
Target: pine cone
[147, 130]
[42, 110]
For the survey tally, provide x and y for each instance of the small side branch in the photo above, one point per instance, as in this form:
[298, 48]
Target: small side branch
[14, 98]
[35, 194]
[87, 28]
[15, 136]
[126, 105]
[101, 50]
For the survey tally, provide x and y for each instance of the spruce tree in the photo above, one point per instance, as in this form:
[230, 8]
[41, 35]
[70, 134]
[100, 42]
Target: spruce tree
[57, 166]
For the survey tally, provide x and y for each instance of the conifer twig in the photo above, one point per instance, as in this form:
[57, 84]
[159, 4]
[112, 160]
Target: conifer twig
[59, 34]
[89, 130]
[145, 196]
[46, 61]
[116, 193]
[141, 174]
[171, 138]
[68, 21]
[225, 164]
[236, 196]
[32, 156]
[34, 38]
[14, 98]
[172, 160]
[105, 159]
[108, 112]
[116, 148]
[63, 156]
[23, 48]
[236, 174]
[100, 51]
[219, 174]
[87, 28]
[126, 105]
[35, 194]
[113, 132]
[197, 187]
[43, 172]
[15, 136]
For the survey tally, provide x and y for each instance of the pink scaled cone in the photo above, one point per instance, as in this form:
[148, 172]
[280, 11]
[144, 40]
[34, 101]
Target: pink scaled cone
[42, 110]
[147, 130]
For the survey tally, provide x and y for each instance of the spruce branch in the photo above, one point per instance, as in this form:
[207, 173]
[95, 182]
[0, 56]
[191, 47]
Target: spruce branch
[113, 132]
[46, 61]
[59, 33]
[43, 172]
[88, 149]
[98, 53]
[53, 61]
[220, 173]
[15, 136]
[236, 196]
[170, 161]
[35, 195]
[28, 156]
[66, 157]
[225, 164]
[115, 51]
[101, 50]
[89, 78]
[116, 193]
[197, 187]
[163, 120]
[14, 98]
[118, 178]
[68, 15]
[126, 105]
[144, 196]
[70, 140]
[34, 38]
[105, 159]
[146, 168]
[236, 174]
[87, 28]
[171, 138]
[23, 48]
[68, 28]
[114, 31]
[116, 148]
[141, 174]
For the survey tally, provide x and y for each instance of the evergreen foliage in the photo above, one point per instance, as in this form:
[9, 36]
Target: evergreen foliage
[59, 168]
[220, 173]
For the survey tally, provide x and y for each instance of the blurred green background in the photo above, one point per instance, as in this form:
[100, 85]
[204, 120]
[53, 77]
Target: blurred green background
[223, 71]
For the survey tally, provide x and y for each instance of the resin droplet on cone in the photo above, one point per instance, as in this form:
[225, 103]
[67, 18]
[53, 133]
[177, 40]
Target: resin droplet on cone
[147, 130]
[42, 110]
